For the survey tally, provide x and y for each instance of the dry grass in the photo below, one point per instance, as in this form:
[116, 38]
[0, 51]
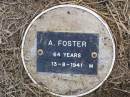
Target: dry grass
[15, 15]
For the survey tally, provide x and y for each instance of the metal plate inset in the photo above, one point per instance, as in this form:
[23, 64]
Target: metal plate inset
[74, 53]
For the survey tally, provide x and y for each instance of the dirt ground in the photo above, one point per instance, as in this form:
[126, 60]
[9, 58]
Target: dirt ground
[15, 15]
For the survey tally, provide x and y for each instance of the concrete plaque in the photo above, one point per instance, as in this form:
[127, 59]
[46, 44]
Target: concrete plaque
[69, 49]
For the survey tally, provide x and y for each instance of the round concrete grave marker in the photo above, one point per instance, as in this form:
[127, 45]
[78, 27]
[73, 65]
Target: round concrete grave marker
[69, 49]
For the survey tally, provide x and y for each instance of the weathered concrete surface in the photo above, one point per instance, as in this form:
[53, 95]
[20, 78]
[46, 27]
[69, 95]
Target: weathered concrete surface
[69, 19]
